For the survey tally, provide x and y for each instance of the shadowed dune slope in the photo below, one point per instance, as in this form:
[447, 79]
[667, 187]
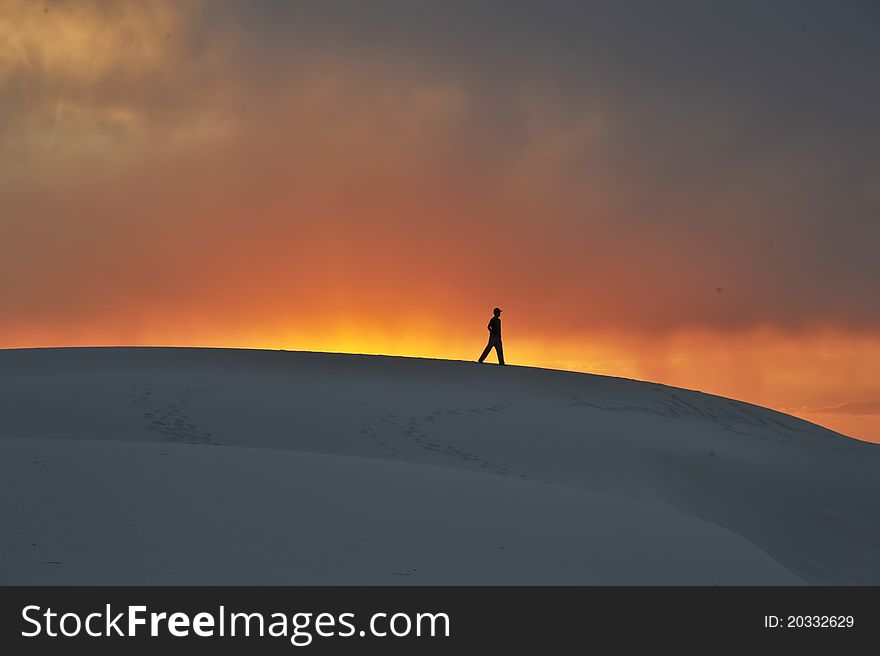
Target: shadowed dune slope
[222, 466]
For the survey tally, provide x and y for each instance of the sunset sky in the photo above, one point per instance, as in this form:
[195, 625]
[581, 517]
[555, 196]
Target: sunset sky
[686, 192]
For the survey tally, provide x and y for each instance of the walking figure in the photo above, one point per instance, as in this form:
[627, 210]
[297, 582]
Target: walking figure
[494, 328]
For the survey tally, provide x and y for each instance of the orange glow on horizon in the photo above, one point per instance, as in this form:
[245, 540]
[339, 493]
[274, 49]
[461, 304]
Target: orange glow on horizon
[799, 375]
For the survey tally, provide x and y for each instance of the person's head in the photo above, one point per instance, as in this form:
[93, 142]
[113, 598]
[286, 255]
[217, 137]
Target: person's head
[497, 312]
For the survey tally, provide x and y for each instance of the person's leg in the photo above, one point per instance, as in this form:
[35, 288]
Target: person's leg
[500, 351]
[486, 350]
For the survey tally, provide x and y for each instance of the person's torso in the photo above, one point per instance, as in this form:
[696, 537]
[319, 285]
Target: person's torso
[495, 326]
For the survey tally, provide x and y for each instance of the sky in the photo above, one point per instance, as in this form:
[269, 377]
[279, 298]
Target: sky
[686, 192]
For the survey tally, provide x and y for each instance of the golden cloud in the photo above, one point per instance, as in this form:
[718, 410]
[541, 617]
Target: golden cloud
[86, 42]
[96, 79]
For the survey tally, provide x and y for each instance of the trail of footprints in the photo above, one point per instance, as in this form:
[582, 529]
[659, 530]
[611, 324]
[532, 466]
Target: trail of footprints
[170, 420]
[672, 405]
[732, 415]
[387, 428]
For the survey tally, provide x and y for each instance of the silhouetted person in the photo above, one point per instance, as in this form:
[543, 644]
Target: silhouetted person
[494, 328]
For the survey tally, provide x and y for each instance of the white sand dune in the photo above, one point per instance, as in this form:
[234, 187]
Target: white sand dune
[221, 466]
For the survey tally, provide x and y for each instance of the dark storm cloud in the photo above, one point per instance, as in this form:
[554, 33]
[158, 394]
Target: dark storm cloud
[740, 140]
